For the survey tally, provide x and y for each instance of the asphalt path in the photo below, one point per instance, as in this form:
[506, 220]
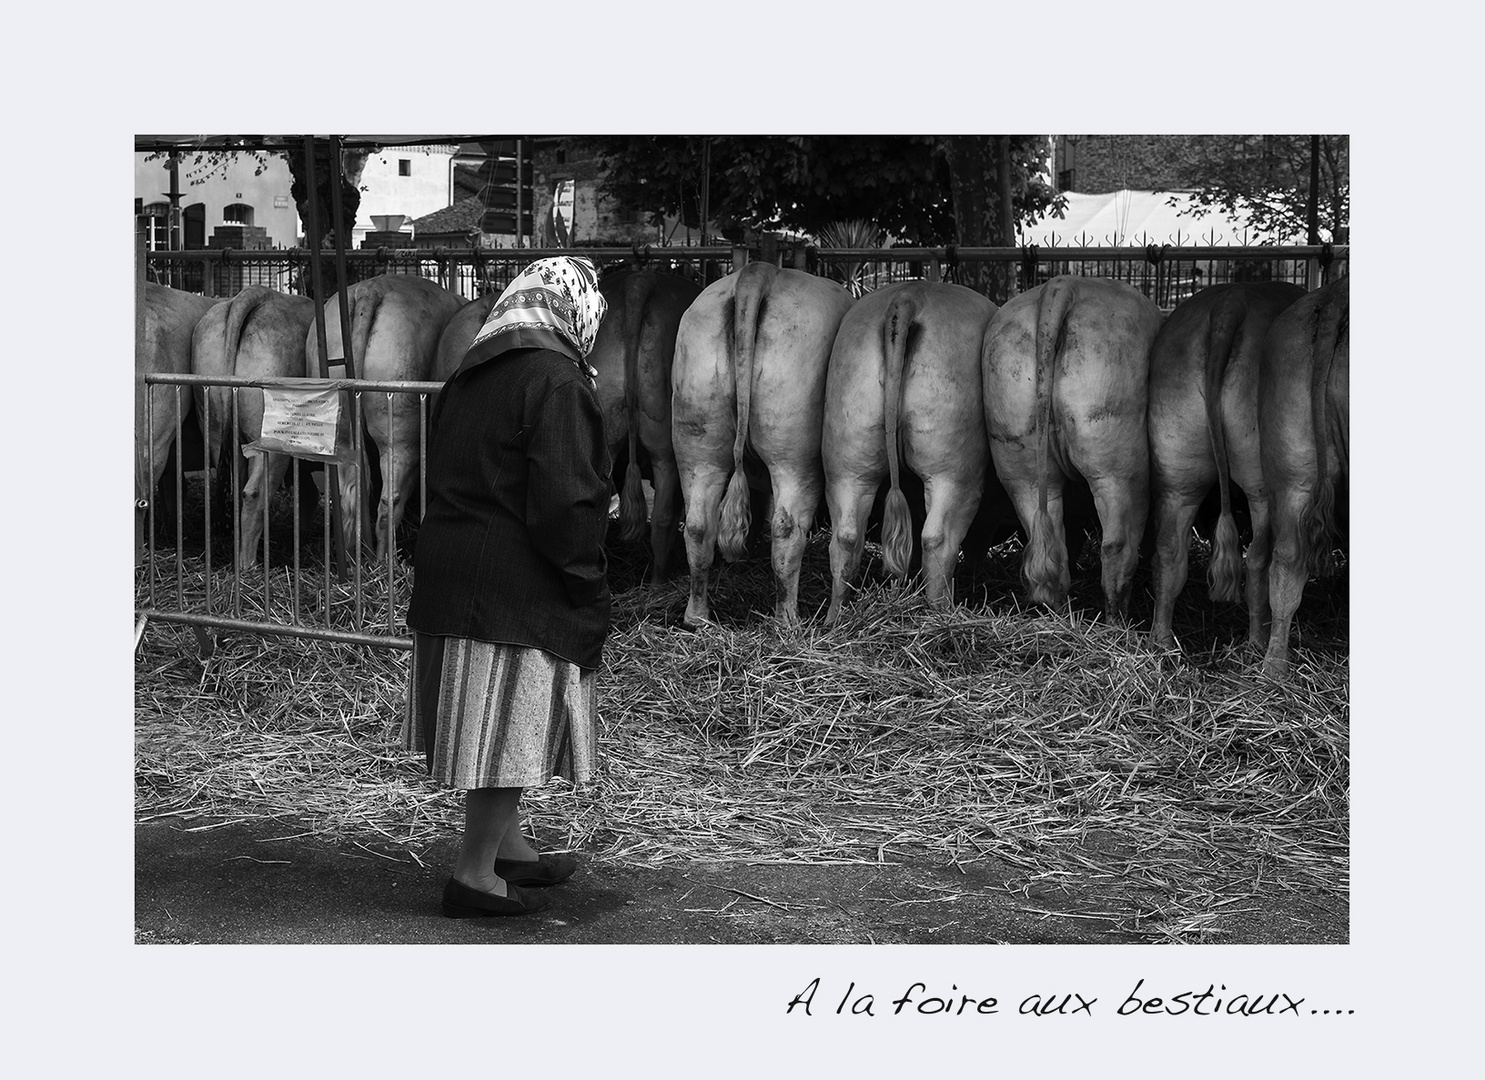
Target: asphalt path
[227, 883]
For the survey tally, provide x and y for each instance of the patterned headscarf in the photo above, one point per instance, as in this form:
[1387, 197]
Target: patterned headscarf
[557, 297]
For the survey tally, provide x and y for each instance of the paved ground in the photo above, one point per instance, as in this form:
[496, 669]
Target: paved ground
[241, 883]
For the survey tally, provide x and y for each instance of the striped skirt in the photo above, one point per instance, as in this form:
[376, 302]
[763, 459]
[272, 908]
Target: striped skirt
[489, 715]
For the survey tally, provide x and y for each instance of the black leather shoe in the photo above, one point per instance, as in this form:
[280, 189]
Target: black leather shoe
[462, 902]
[546, 870]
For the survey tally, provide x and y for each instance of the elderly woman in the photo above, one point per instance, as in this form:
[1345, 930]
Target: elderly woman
[510, 605]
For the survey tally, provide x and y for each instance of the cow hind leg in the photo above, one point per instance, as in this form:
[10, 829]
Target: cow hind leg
[1287, 573]
[951, 505]
[397, 486]
[1175, 513]
[1256, 571]
[849, 502]
[794, 503]
[663, 516]
[1122, 507]
[257, 497]
[703, 490]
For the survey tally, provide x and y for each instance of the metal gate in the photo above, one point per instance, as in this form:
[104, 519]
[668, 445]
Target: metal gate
[304, 594]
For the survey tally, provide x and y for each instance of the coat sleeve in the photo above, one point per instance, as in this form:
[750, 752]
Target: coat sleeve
[568, 490]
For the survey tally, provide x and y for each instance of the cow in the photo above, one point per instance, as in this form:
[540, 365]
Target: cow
[904, 391]
[396, 320]
[633, 355]
[1203, 426]
[258, 333]
[170, 316]
[1065, 367]
[1304, 438]
[749, 376]
[458, 335]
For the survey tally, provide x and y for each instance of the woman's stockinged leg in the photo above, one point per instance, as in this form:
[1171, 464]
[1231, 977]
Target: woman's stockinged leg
[489, 814]
[514, 845]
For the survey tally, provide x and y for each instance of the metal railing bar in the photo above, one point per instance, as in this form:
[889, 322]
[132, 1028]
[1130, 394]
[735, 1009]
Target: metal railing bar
[218, 622]
[180, 504]
[363, 491]
[265, 497]
[296, 581]
[388, 479]
[206, 485]
[277, 382]
[236, 448]
[328, 476]
[149, 496]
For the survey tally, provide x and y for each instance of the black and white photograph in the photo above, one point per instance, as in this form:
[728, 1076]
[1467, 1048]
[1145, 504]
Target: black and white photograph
[742, 539]
[644, 559]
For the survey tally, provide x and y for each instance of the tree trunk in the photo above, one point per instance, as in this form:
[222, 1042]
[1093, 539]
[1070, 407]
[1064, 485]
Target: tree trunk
[979, 184]
[300, 191]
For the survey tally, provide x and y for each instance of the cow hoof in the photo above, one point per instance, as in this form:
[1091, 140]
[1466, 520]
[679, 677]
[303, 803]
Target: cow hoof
[693, 620]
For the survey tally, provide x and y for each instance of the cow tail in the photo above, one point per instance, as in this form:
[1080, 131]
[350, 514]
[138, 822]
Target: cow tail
[239, 310]
[897, 522]
[1317, 524]
[632, 515]
[1224, 571]
[1044, 565]
[753, 283]
[363, 309]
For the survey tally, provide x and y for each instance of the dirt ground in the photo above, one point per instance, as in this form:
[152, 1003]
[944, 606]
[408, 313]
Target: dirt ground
[226, 883]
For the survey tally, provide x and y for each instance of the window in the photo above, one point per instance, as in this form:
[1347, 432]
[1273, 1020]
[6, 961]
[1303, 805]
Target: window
[158, 229]
[237, 214]
[1065, 179]
[404, 166]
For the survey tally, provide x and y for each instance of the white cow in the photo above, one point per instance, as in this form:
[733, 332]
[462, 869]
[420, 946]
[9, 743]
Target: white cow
[170, 317]
[1065, 369]
[396, 320]
[904, 390]
[259, 332]
[749, 374]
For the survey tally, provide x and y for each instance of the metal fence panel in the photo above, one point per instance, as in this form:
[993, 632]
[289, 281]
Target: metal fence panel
[297, 592]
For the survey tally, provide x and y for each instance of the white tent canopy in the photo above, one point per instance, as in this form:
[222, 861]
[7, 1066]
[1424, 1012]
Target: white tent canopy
[1135, 219]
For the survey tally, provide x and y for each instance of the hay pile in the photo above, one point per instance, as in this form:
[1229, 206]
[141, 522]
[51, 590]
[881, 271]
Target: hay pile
[1048, 743]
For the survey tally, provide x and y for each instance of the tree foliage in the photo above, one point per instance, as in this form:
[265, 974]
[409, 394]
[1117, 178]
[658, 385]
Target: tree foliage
[904, 183]
[1267, 178]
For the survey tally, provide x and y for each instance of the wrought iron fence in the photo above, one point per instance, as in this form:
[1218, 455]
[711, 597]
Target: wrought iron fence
[469, 272]
[1167, 273]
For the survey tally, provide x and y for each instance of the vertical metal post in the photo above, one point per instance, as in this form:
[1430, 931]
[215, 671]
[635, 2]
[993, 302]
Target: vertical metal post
[520, 202]
[180, 504]
[206, 486]
[141, 388]
[358, 440]
[149, 472]
[388, 478]
[332, 472]
[234, 445]
[174, 237]
[340, 269]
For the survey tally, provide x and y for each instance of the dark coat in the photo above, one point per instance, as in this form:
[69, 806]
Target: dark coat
[511, 547]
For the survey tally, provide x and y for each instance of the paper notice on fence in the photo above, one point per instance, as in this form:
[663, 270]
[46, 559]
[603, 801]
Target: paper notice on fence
[309, 422]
